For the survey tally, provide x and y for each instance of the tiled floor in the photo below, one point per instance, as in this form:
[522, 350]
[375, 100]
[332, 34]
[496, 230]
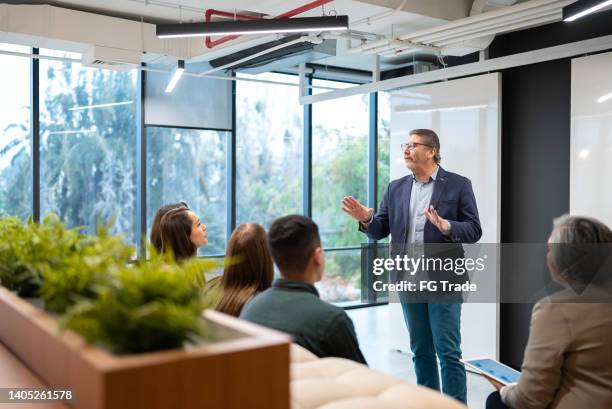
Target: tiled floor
[372, 327]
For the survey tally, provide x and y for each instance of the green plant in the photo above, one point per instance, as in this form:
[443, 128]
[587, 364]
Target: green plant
[27, 250]
[148, 306]
[58, 264]
[87, 261]
[16, 273]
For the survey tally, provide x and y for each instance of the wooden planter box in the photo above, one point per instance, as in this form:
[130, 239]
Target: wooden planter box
[248, 367]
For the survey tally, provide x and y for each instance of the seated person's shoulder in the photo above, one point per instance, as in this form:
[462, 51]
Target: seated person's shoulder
[256, 302]
[332, 314]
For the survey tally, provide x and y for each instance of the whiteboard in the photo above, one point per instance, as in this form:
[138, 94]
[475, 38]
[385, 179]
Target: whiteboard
[591, 137]
[465, 113]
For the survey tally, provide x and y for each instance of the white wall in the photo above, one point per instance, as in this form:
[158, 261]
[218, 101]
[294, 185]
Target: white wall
[591, 137]
[465, 114]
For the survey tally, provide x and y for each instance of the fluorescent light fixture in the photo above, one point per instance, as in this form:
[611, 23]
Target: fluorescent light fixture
[262, 26]
[176, 76]
[582, 8]
[604, 98]
[110, 104]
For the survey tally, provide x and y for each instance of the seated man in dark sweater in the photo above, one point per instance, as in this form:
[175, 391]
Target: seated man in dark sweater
[292, 304]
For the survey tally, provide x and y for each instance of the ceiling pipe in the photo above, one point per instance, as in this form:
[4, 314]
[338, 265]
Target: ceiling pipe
[526, 21]
[531, 22]
[411, 48]
[372, 45]
[349, 35]
[400, 53]
[485, 17]
[396, 44]
[497, 21]
[210, 43]
[492, 22]
[294, 12]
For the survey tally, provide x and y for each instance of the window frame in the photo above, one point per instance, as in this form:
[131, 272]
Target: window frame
[141, 172]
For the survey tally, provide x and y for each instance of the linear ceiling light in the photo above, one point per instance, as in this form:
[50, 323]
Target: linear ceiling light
[176, 76]
[582, 8]
[263, 26]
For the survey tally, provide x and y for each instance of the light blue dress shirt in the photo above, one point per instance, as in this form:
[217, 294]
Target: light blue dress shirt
[420, 197]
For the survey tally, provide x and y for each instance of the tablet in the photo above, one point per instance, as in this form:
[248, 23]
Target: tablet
[495, 370]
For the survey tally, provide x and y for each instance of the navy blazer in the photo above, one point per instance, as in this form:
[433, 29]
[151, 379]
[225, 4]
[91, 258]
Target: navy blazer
[452, 197]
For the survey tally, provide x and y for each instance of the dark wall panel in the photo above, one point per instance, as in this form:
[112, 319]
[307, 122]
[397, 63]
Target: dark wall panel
[535, 175]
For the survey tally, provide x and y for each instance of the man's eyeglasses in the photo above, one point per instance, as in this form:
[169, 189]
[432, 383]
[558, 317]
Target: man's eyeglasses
[411, 145]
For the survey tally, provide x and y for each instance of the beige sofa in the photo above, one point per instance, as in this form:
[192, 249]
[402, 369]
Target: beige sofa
[336, 383]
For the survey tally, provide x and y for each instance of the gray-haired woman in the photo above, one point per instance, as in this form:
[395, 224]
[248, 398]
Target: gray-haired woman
[568, 358]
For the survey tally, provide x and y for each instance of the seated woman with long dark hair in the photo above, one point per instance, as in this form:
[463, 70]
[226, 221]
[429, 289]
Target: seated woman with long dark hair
[249, 269]
[179, 232]
[155, 235]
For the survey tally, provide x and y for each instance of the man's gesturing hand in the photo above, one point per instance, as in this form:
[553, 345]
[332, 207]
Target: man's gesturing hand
[435, 219]
[356, 210]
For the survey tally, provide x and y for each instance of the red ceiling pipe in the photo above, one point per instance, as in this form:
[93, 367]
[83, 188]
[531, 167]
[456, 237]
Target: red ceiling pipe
[210, 12]
[305, 7]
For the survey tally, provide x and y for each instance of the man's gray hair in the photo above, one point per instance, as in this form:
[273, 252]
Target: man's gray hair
[580, 246]
[431, 138]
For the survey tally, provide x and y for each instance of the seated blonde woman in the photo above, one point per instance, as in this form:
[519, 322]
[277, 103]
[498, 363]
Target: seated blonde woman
[568, 358]
[250, 268]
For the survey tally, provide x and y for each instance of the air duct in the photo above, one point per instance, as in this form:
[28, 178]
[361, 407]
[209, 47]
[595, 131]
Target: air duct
[292, 55]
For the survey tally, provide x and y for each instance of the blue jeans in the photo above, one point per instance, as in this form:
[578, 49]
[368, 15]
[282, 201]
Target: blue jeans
[435, 330]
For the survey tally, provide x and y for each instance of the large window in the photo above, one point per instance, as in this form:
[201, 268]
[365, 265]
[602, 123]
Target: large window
[189, 165]
[88, 145]
[15, 143]
[88, 151]
[339, 168]
[269, 146]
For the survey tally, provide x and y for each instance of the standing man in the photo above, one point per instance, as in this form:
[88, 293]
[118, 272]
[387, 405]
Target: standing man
[429, 206]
